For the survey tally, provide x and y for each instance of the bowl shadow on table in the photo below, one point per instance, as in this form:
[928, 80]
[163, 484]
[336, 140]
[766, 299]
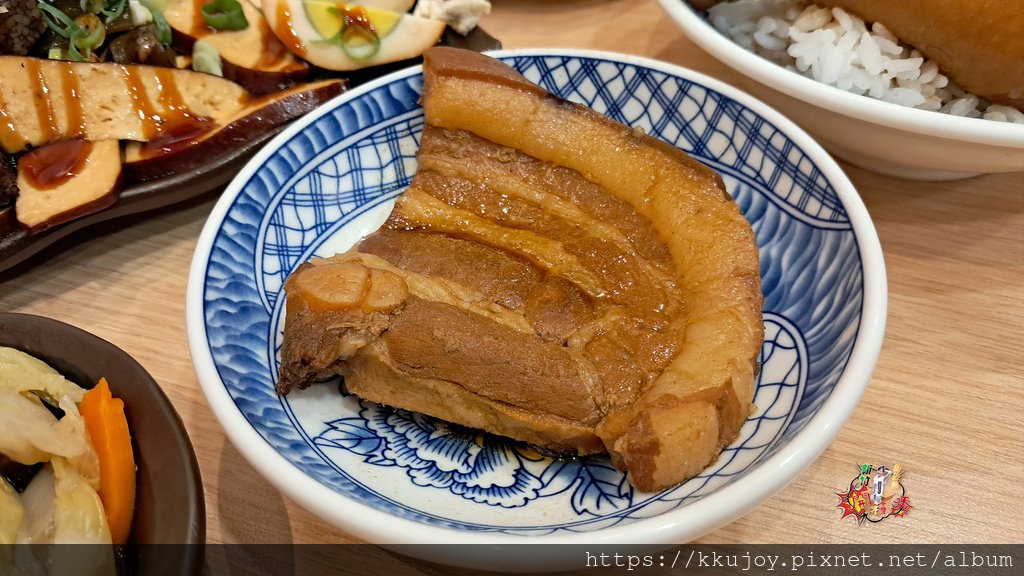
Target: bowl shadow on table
[244, 498]
[348, 560]
[248, 508]
[242, 491]
[318, 560]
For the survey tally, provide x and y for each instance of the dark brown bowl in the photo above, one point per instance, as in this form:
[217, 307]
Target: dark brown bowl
[169, 504]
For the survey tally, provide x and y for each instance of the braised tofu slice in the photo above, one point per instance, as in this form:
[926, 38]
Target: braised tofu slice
[64, 180]
[46, 101]
[43, 101]
[191, 143]
[252, 56]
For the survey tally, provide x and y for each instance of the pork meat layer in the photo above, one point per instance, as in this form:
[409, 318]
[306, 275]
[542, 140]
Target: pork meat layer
[550, 276]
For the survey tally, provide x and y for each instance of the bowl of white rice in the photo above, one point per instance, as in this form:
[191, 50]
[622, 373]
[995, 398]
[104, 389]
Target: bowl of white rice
[870, 99]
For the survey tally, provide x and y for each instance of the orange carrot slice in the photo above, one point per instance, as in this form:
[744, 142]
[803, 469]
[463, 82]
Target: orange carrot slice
[108, 430]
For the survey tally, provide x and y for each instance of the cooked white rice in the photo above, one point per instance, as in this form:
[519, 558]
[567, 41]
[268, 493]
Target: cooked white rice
[837, 48]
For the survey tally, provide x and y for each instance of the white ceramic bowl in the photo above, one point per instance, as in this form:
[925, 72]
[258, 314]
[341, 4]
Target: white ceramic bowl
[878, 136]
[393, 477]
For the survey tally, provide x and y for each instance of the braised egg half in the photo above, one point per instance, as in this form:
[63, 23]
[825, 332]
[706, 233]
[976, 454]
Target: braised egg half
[339, 36]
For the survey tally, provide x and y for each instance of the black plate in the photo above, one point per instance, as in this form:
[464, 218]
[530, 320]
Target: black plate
[17, 244]
[169, 504]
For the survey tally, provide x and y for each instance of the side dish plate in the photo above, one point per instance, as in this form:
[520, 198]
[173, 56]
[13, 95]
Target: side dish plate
[18, 244]
[170, 506]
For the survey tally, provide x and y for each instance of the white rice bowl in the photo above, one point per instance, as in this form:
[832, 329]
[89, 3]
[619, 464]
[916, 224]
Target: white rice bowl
[837, 48]
[870, 100]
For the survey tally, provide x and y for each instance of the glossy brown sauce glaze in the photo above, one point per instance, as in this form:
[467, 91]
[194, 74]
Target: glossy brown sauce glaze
[41, 100]
[171, 126]
[142, 105]
[275, 56]
[73, 102]
[178, 127]
[285, 31]
[10, 139]
[583, 268]
[199, 26]
[175, 135]
[170, 97]
[54, 164]
[153, 94]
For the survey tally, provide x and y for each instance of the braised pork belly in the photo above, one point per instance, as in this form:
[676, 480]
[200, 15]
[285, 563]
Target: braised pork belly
[550, 276]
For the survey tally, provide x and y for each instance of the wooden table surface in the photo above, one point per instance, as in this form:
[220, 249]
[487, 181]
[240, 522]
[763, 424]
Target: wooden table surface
[945, 400]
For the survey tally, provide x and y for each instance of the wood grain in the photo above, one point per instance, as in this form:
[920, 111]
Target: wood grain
[945, 401]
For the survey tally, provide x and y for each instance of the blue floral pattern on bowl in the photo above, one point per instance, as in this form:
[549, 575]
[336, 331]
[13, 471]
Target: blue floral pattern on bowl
[334, 180]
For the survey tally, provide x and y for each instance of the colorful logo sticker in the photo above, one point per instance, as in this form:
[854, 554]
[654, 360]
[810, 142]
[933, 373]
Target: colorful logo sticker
[875, 494]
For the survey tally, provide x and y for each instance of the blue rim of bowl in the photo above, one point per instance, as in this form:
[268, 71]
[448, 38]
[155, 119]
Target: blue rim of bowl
[701, 32]
[703, 515]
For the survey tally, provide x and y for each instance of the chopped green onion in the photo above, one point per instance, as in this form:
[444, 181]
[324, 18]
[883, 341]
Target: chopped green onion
[114, 9]
[359, 43]
[357, 38]
[160, 25]
[225, 15]
[83, 35]
[206, 58]
[91, 6]
[139, 14]
[163, 29]
[93, 32]
[57, 20]
[73, 52]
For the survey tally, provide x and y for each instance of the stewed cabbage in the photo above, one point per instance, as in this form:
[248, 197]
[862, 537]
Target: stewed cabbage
[60, 504]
